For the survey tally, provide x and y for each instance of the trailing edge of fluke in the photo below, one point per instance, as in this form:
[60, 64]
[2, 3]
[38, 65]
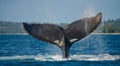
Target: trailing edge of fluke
[64, 38]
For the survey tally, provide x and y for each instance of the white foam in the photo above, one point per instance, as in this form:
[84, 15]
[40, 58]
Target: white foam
[17, 57]
[49, 58]
[99, 57]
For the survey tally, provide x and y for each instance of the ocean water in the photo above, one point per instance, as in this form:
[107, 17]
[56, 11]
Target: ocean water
[94, 50]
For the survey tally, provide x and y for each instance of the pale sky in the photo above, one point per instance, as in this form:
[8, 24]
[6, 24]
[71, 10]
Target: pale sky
[57, 11]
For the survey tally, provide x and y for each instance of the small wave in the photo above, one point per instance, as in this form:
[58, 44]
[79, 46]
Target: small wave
[99, 57]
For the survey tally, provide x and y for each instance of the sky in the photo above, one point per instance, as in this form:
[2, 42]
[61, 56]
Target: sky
[57, 11]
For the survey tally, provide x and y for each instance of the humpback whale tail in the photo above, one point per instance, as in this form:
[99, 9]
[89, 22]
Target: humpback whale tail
[64, 38]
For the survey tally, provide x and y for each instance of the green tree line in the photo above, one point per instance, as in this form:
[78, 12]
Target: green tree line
[109, 26]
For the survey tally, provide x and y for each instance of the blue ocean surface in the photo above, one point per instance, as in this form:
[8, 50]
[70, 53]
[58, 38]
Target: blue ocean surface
[94, 50]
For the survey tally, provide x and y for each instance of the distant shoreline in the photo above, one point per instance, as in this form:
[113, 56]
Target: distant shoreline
[14, 34]
[105, 33]
[28, 34]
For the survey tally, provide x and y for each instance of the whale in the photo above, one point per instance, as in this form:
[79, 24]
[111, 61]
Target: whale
[65, 37]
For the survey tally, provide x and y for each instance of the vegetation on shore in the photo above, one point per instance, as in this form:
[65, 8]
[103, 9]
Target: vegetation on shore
[109, 26]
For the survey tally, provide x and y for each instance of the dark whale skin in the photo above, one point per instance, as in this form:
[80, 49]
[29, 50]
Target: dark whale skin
[64, 38]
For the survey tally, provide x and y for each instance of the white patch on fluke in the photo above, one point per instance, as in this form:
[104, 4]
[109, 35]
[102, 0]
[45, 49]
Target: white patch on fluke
[57, 41]
[74, 39]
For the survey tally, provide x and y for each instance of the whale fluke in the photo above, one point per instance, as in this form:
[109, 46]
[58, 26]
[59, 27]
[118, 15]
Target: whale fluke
[64, 38]
[83, 27]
